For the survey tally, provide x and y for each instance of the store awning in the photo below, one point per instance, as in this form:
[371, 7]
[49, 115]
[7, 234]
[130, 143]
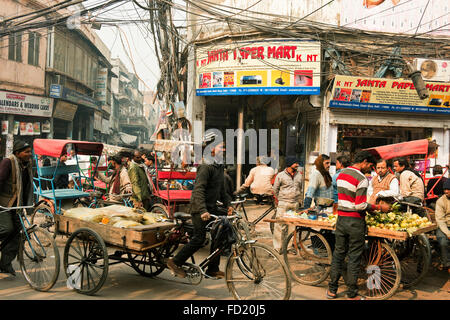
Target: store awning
[127, 138]
[402, 149]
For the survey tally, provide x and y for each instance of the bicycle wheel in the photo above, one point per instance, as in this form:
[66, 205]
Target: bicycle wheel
[309, 262]
[85, 261]
[414, 259]
[39, 259]
[257, 272]
[43, 217]
[381, 271]
[161, 209]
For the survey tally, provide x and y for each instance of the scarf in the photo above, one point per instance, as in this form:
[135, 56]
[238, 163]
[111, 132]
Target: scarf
[325, 174]
[19, 167]
[116, 183]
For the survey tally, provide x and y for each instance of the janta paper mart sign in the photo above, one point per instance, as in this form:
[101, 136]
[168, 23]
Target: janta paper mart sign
[380, 94]
[23, 104]
[272, 67]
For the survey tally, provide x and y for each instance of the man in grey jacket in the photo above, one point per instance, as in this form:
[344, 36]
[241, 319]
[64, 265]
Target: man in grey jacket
[287, 189]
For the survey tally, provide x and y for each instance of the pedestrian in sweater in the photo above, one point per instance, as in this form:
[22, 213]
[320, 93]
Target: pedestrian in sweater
[351, 225]
[287, 189]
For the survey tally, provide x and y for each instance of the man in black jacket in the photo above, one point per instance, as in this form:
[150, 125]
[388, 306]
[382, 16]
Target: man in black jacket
[208, 188]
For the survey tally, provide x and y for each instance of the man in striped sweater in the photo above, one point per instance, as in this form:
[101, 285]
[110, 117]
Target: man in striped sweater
[351, 225]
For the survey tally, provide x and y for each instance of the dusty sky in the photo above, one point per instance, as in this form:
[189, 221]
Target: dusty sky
[137, 36]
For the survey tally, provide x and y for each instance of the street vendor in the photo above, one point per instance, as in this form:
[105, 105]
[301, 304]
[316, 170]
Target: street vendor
[412, 188]
[351, 224]
[119, 181]
[443, 223]
[384, 184]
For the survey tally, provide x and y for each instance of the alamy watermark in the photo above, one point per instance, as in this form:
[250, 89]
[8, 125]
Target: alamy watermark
[236, 144]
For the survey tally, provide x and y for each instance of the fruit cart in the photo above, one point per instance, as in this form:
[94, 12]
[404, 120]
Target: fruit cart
[86, 257]
[308, 252]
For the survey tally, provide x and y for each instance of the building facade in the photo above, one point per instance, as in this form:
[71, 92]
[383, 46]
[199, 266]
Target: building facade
[245, 73]
[55, 82]
[132, 124]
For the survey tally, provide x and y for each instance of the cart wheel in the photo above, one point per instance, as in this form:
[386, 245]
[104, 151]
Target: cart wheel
[43, 217]
[414, 259]
[310, 262]
[161, 209]
[152, 262]
[382, 271]
[39, 259]
[86, 261]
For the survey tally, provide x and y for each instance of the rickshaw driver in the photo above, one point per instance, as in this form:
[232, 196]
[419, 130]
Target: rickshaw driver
[208, 188]
[16, 189]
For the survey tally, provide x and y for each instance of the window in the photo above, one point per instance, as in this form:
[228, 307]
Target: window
[33, 48]
[15, 47]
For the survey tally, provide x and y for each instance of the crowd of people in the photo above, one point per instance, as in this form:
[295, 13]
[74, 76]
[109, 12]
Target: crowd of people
[351, 192]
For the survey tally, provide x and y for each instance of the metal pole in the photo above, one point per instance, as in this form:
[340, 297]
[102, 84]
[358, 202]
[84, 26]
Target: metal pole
[240, 145]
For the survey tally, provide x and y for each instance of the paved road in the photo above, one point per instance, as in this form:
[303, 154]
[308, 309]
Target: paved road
[124, 283]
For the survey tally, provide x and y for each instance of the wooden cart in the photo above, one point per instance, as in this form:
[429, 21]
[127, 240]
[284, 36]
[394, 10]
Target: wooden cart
[86, 258]
[308, 253]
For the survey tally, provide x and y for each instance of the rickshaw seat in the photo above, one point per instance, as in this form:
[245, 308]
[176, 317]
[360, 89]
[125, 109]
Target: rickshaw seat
[176, 175]
[175, 194]
[50, 171]
[63, 194]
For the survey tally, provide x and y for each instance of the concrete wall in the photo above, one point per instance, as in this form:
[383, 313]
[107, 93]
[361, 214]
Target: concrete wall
[20, 76]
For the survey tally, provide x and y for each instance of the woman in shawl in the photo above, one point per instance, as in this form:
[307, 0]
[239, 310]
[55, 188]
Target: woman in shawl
[320, 183]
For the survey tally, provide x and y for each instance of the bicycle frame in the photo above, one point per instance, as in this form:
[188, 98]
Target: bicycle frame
[261, 217]
[25, 224]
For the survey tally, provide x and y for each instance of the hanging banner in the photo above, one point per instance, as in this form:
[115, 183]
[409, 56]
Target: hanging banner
[271, 67]
[381, 94]
[101, 85]
[24, 104]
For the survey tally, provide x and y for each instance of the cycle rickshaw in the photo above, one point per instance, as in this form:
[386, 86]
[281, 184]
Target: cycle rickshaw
[168, 194]
[50, 201]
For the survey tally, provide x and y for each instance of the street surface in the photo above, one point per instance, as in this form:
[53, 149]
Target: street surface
[123, 283]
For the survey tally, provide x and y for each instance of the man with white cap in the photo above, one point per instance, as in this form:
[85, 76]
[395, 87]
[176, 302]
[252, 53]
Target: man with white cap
[16, 189]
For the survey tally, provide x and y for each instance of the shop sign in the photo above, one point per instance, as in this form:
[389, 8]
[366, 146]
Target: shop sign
[271, 67]
[98, 121]
[24, 104]
[105, 126]
[381, 94]
[61, 92]
[100, 84]
[65, 111]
